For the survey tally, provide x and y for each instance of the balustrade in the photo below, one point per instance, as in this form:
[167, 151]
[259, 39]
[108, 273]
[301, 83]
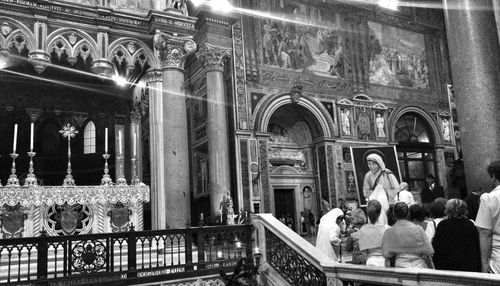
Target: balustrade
[126, 257]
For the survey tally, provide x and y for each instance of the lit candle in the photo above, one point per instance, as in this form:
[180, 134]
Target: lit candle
[119, 142]
[14, 145]
[106, 140]
[32, 133]
[135, 144]
[238, 244]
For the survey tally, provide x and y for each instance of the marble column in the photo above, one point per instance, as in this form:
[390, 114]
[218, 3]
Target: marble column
[154, 80]
[135, 147]
[213, 58]
[475, 65]
[172, 52]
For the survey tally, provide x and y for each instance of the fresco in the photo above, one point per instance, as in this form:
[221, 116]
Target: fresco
[397, 57]
[311, 47]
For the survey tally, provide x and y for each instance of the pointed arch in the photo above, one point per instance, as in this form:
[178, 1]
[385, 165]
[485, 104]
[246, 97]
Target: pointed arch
[85, 47]
[133, 49]
[18, 29]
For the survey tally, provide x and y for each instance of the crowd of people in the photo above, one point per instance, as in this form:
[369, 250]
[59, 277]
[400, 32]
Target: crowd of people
[395, 231]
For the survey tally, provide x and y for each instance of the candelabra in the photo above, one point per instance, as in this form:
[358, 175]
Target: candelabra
[121, 180]
[31, 178]
[106, 179]
[13, 181]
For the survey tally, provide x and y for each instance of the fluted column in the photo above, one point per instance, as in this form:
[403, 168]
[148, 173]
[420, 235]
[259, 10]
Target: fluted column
[213, 58]
[172, 52]
[158, 199]
[475, 65]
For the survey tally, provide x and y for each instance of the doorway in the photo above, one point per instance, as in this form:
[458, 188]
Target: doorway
[284, 206]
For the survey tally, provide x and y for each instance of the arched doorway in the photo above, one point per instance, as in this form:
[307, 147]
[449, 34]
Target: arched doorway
[292, 130]
[416, 149]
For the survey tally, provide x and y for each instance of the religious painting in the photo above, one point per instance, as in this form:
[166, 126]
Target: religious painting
[397, 57]
[351, 188]
[359, 154]
[364, 124]
[302, 45]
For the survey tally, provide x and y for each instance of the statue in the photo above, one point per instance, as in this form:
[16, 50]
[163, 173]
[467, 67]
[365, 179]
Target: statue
[446, 129]
[380, 122]
[180, 5]
[346, 121]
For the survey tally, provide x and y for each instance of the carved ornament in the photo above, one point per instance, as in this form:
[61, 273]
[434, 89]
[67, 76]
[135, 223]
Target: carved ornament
[213, 56]
[173, 50]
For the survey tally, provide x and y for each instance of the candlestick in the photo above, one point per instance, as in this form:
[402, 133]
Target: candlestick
[32, 133]
[120, 142]
[135, 177]
[106, 178]
[31, 178]
[135, 144]
[106, 140]
[14, 144]
[13, 181]
[121, 180]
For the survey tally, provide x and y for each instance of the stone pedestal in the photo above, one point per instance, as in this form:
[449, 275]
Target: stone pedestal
[475, 65]
[213, 58]
[171, 125]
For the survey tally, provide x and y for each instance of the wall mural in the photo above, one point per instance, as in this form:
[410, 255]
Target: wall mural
[397, 57]
[315, 49]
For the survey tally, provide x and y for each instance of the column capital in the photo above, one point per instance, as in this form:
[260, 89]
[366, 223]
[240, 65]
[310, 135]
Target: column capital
[173, 50]
[212, 56]
[153, 75]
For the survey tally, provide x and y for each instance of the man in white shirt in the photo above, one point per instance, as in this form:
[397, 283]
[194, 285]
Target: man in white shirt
[404, 195]
[488, 223]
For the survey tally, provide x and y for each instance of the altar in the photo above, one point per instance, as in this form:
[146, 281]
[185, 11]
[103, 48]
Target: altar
[28, 209]
[67, 210]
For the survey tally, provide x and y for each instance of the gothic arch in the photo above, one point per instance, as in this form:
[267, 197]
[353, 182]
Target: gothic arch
[72, 41]
[133, 51]
[427, 117]
[271, 103]
[17, 29]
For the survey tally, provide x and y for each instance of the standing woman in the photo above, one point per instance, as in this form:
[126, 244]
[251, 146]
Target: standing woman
[371, 234]
[328, 239]
[456, 242]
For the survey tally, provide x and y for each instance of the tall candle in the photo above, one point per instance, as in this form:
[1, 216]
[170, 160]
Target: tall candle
[32, 136]
[120, 141]
[14, 145]
[135, 144]
[106, 140]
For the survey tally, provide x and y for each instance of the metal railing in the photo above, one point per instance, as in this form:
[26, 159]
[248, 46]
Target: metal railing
[297, 262]
[123, 258]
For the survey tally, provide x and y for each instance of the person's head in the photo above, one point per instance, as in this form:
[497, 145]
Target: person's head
[417, 213]
[400, 211]
[404, 186]
[375, 163]
[429, 179]
[456, 208]
[358, 218]
[494, 171]
[437, 208]
[373, 210]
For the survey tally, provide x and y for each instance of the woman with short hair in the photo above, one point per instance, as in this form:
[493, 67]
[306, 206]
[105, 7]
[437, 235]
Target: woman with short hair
[370, 235]
[456, 242]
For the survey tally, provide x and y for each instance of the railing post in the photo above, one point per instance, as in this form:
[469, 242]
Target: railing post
[201, 249]
[42, 259]
[132, 256]
[188, 248]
